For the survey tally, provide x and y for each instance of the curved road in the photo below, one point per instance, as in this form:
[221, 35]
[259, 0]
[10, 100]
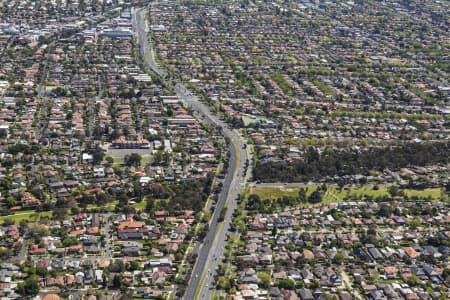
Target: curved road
[212, 249]
[214, 244]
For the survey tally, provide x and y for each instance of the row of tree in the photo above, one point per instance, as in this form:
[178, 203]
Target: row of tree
[318, 164]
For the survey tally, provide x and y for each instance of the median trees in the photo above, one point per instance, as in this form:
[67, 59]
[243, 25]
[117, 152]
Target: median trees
[222, 215]
[203, 231]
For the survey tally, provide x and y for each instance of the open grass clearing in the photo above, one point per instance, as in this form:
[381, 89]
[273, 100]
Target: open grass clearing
[274, 192]
[108, 206]
[30, 215]
[120, 160]
[140, 205]
[335, 194]
[434, 193]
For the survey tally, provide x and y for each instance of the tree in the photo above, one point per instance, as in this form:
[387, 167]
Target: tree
[3, 134]
[265, 279]
[8, 221]
[223, 212]
[109, 160]
[30, 287]
[446, 273]
[338, 258]
[38, 231]
[150, 205]
[69, 241]
[117, 266]
[133, 159]
[347, 162]
[6, 252]
[286, 284]
[274, 231]
[414, 223]
[23, 226]
[97, 155]
[161, 157]
[315, 197]
[116, 282]
[10, 201]
[385, 210]
[42, 272]
[59, 213]
[302, 197]
[224, 283]
[253, 202]
[393, 191]
[124, 285]
[412, 280]
[132, 266]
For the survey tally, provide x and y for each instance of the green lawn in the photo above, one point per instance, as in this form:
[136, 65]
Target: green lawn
[29, 215]
[120, 160]
[335, 194]
[368, 191]
[146, 159]
[247, 121]
[140, 205]
[50, 88]
[274, 193]
[109, 206]
[434, 193]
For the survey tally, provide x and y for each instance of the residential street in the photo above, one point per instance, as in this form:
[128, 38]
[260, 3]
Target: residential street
[108, 236]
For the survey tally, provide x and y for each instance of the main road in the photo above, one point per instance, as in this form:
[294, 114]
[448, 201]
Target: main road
[202, 276]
